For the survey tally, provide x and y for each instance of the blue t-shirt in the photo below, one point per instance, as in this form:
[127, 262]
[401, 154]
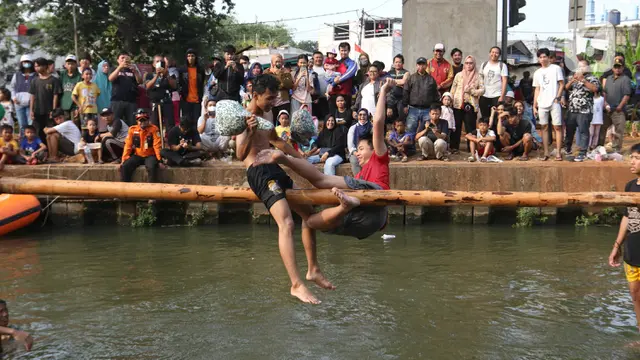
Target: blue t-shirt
[637, 76]
[30, 147]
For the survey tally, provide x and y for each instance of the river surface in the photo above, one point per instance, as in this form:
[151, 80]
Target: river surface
[433, 292]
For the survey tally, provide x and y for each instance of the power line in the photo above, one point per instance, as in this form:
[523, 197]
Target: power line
[298, 18]
[379, 6]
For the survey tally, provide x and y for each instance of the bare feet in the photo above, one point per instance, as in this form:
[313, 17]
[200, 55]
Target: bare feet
[318, 277]
[346, 201]
[269, 157]
[304, 294]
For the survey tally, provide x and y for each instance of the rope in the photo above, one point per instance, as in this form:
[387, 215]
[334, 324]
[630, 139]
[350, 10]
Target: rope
[46, 215]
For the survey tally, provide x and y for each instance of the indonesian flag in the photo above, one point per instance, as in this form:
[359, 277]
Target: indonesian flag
[358, 49]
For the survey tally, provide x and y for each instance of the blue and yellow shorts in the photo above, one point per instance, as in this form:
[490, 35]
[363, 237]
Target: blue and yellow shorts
[632, 272]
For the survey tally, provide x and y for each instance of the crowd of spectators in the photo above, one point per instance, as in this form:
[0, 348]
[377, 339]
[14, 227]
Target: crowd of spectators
[93, 115]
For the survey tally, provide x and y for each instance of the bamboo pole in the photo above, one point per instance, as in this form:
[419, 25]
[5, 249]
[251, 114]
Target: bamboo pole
[175, 192]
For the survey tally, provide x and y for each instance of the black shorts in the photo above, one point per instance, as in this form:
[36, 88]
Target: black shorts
[519, 151]
[362, 221]
[66, 146]
[269, 182]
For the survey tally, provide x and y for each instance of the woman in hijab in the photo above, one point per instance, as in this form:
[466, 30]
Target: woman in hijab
[466, 89]
[19, 87]
[254, 70]
[362, 127]
[104, 99]
[331, 141]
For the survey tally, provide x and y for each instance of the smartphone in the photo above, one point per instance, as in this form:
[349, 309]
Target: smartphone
[160, 65]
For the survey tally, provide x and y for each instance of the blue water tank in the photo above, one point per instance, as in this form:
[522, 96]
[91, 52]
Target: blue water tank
[614, 17]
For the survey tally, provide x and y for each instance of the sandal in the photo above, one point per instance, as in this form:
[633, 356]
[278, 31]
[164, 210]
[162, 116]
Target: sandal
[558, 158]
[404, 159]
[509, 157]
[543, 158]
[483, 159]
[523, 158]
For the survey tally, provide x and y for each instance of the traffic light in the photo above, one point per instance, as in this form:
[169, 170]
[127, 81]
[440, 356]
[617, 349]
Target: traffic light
[515, 16]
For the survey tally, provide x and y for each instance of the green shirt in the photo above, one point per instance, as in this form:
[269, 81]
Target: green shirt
[68, 83]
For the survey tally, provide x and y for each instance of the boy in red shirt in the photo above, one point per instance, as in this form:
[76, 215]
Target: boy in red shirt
[348, 218]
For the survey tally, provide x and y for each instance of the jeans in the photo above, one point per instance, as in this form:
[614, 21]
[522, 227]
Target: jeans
[581, 122]
[415, 116]
[329, 165]
[24, 118]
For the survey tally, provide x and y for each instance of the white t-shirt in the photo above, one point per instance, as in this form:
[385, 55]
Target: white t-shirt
[598, 111]
[368, 99]
[490, 133]
[547, 80]
[447, 114]
[322, 78]
[70, 131]
[492, 75]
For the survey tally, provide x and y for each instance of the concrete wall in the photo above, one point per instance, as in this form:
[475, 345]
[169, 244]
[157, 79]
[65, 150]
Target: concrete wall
[469, 25]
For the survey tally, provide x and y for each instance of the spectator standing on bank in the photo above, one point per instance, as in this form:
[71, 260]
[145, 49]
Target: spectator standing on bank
[369, 91]
[363, 68]
[174, 73]
[597, 121]
[348, 69]
[440, 69]
[581, 87]
[19, 86]
[230, 76]
[160, 85]
[419, 92]
[245, 61]
[466, 90]
[113, 140]
[185, 146]
[69, 78]
[63, 138]
[619, 58]
[142, 146]
[302, 85]
[495, 78]
[617, 92]
[254, 70]
[360, 129]
[395, 107]
[192, 79]
[102, 80]
[85, 95]
[85, 63]
[457, 65]
[321, 104]
[548, 82]
[124, 90]
[45, 93]
[526, 86]
[282, 101]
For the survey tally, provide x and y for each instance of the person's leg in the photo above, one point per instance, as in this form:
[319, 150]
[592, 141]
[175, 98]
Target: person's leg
[571, 126]
[313, 159]
[109, 145]
[412, 120]
[172, 157]
[4, 158]
[331, 164]
[455, 136]
[472, 148]
[281, 213]
[426, 147]
[595, 134]
[128, 168]
[52, 145]
[618, 121]
[583, 133]
[22, 113]
[118, 110]
[470, 123]
[167, 116]
[485, 106]
[603, 129]
[545, 122]
[634, 290]
[355, 164]
[440, 148]
[527, 141]
[197, 110]
[151, 163]
[488, 149]
[302, 168]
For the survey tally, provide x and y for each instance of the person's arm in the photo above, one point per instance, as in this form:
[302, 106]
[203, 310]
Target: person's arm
[501, 128]
[202, 123]
[115, 73]
[505, 80]
[560, 84]
[244, 140]
[449, 80]
[471, 137]
[535, 100]
[128, 146]
[489, 138]
[151, 82]
[350, 139]
[352, 68]
[623, 103]
[356, 105]
[422, 133]
[404, 79]
[406, 91]
[115, 128]
[50, 130]
[12, 87]
[282, 145]
[18, 335]
[218, 71]
[614, 258]
[41, 148]
[444, 133]
[379, 146]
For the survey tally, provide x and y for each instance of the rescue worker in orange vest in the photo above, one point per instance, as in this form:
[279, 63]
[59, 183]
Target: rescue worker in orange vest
[142, 146]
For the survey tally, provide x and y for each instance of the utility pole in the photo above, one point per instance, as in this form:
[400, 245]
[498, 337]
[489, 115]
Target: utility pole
[75, 29]
[361, 28]
[505, 14]
[575, 28]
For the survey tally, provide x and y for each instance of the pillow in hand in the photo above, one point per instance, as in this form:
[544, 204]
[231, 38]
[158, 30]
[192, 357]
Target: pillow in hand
[231, 118]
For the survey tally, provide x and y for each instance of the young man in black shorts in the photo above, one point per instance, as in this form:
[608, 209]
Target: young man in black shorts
[269, 182]
[348, 218]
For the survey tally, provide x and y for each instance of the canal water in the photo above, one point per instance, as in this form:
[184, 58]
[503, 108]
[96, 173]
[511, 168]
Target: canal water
[433, 292]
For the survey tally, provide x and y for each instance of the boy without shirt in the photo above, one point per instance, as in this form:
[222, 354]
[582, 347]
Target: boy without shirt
[269, 182]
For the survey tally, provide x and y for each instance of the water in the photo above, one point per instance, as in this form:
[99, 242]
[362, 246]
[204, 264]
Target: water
[436, 292]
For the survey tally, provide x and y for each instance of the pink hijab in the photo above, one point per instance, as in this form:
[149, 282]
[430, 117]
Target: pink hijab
[469, 77]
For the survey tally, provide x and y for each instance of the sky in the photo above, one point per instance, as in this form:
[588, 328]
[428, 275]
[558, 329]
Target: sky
[540, 20]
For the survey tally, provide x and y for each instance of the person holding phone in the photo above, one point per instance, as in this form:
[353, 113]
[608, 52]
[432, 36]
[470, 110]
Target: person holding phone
[159, 87]
[124, 91]
[302, 85]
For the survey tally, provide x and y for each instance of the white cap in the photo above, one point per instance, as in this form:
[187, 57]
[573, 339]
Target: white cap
[25, 58]
[510, 94]
[70, 58]
[446, 94]
[439, 46]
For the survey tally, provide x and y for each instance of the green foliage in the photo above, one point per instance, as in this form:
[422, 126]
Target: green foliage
[631, 52]
[529, 216]
[307, 45]
[608, 216]
[145, 216]
[11, 15]
[197, 217]
[255, 34]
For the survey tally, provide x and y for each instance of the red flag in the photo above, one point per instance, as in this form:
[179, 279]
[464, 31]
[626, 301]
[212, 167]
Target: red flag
[358, 49]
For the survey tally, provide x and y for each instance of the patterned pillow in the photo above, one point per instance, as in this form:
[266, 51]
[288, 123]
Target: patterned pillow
[231, 118]
[302, 127]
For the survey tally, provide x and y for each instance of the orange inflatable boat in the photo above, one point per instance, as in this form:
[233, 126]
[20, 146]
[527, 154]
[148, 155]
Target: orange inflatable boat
[17, 211]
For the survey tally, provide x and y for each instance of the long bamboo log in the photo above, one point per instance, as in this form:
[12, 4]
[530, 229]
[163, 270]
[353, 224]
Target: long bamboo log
[175, 192]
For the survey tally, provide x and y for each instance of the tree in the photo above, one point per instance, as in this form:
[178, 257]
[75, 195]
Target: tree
[10, 17]
[141, 27]
[256, 34]
[307, 45]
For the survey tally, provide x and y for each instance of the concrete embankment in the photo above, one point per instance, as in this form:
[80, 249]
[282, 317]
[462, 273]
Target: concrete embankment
[431, 175]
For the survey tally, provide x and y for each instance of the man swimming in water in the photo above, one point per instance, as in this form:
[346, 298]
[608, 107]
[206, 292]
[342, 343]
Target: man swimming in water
[348, 218]
[9, 333]
[269, 182]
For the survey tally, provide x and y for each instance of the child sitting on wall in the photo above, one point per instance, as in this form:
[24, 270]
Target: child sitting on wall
[32, 150]
[90, 138]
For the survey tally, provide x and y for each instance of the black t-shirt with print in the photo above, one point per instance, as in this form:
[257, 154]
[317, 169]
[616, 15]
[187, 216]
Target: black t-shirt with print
[125, 86]
[632, 243]
[176, 135]
[346, 116]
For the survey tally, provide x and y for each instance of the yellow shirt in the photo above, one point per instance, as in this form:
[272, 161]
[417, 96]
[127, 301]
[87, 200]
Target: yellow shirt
[13, 144]
[87, 96]
[284, 133]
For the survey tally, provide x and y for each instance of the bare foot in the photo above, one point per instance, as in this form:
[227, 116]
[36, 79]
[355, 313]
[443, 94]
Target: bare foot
[304, 294]
[318, 277]
[346, 201]
[269, 157]
[1, 166]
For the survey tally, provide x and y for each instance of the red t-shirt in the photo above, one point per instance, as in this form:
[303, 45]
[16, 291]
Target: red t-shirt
[376, 170]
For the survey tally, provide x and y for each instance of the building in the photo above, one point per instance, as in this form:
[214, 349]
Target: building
[381, 38]
[518, 53]
[263, 55]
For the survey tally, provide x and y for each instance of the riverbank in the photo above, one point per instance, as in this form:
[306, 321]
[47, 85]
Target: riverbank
[429, 175]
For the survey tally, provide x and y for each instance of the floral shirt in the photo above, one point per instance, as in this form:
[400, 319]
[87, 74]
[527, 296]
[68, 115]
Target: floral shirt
[580, 98]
